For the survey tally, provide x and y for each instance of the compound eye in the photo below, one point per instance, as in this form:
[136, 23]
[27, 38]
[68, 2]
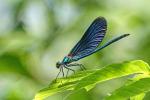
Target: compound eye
[58, 64]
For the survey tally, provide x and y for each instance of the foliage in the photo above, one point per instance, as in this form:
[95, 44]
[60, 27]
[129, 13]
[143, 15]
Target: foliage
[88, 79]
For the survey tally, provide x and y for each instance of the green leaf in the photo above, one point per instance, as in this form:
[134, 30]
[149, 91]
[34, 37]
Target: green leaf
[62, 84]
[114, 71]
[134, 89]
[138, 97]
[78, 95]
[87, 79]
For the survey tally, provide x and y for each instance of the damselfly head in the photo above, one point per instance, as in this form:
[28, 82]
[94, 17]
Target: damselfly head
[58, 64]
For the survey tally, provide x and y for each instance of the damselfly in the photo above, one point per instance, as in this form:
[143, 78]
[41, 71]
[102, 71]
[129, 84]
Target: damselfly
[88, 44]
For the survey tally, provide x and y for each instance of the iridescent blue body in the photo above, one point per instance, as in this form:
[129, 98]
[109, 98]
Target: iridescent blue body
[66, 60]
[88, 44]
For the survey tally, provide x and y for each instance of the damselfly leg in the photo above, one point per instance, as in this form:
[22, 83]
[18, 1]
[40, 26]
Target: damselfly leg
[68, 70]
[61, 70]
[76, 64]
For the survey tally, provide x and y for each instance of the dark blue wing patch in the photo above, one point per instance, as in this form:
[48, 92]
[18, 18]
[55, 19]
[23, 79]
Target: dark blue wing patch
[91, 39]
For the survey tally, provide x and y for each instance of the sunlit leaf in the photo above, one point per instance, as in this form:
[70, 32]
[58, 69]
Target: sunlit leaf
[62, 84]
[86, 79]
[138, 97]
[78, 95]
[114, 71]
[130, 90]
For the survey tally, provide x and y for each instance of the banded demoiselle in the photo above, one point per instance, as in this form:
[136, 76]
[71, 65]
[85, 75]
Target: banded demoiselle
[87, 45]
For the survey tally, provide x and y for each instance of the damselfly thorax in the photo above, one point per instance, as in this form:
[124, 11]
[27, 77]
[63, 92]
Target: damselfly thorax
[67, 63]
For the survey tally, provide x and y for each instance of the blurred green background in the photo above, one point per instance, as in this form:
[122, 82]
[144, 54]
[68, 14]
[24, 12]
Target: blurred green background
[35, 34]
